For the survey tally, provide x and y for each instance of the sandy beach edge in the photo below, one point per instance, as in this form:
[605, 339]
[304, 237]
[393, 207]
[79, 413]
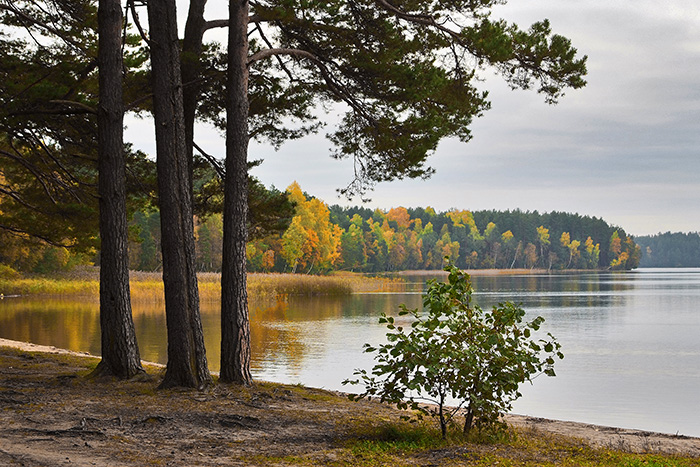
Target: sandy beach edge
[596, 435]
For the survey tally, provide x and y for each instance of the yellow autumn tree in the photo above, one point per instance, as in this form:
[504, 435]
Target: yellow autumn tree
[507, 236]
[509, 249]
[543, 240]
[293, 242]
[460, 217]
[268, 260]
[565, 239]
[466, 219]
[591, 253]
[574, 254]
[311, 242]
[400, 216]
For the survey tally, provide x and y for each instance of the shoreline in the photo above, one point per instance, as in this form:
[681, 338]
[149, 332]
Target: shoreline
[473, 272]
[631, 440]
[503, 272]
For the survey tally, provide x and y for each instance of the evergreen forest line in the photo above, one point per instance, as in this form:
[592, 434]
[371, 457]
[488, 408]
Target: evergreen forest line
[322, 238]
[670, 250]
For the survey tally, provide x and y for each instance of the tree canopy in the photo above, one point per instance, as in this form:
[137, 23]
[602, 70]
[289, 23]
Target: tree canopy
[405, 72]
[404, 75]
[419, 238]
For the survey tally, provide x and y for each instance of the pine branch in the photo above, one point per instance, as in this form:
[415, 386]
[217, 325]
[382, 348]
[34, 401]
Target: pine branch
[7, 5]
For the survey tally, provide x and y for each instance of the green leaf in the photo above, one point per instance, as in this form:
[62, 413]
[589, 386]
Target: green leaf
[477, 358]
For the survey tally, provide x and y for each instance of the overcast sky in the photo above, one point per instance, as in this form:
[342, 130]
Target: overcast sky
[625, 148]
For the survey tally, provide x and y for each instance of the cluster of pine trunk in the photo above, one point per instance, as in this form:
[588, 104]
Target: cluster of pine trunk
[174, 103]
[395, 120]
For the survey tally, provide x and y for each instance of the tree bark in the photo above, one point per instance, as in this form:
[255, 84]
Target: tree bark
[187, 362]
[192, 72]
[120, 353]
[235, 324]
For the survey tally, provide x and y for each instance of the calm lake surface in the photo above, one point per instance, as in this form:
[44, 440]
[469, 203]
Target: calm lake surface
[631, 340]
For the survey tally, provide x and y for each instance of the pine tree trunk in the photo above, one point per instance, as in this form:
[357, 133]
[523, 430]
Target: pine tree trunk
[120, 353]
[192, 72]
[187, 362]
[235, 325]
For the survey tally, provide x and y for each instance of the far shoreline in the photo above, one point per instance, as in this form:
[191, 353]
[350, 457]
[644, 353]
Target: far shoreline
[472, 272]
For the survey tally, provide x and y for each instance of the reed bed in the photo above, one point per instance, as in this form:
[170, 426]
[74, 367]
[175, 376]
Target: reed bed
[149, 285]
[46, 286]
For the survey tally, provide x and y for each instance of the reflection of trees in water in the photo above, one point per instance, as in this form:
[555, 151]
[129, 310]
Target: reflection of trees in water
[149, 321]
[287, 330]
[570, 291]
[65, 323]
[277, 339]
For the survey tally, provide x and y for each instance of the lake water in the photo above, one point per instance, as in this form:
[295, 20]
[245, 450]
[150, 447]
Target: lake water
[631, 340]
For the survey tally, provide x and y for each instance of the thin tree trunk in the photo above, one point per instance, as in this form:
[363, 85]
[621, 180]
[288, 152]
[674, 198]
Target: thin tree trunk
[235, 325]
[515, 255]
[441, 414]
[120, 353]
[187, 362]
[468, 420]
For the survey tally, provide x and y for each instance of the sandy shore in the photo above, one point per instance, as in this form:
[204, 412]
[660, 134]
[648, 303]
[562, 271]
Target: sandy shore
[594, 435]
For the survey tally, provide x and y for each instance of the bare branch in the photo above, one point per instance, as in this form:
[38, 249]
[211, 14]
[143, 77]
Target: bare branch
[269, 44]
[212, 160]
[267, 53]
[13, 194]
[54, 174]
[33, 170]
[31, 85]
[86, 108]
[131, 4]
[136, 102]
[223, 23]
[421, 19]
[216, 23]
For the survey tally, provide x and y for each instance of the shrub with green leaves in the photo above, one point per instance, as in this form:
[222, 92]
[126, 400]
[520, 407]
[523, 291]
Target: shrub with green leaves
[456, 353]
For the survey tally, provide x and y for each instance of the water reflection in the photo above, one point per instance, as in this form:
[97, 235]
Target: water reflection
[64, 323]
[630, 339]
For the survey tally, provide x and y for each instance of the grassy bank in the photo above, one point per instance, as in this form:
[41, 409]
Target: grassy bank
[149, 286]
[50, 416]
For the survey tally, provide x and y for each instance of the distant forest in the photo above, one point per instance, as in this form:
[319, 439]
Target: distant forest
[670, 250]
[321, 239]
[317, 238]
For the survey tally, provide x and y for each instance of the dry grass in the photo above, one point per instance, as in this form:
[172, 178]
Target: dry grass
[301, 284]
[149, 285]
[45, 286]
